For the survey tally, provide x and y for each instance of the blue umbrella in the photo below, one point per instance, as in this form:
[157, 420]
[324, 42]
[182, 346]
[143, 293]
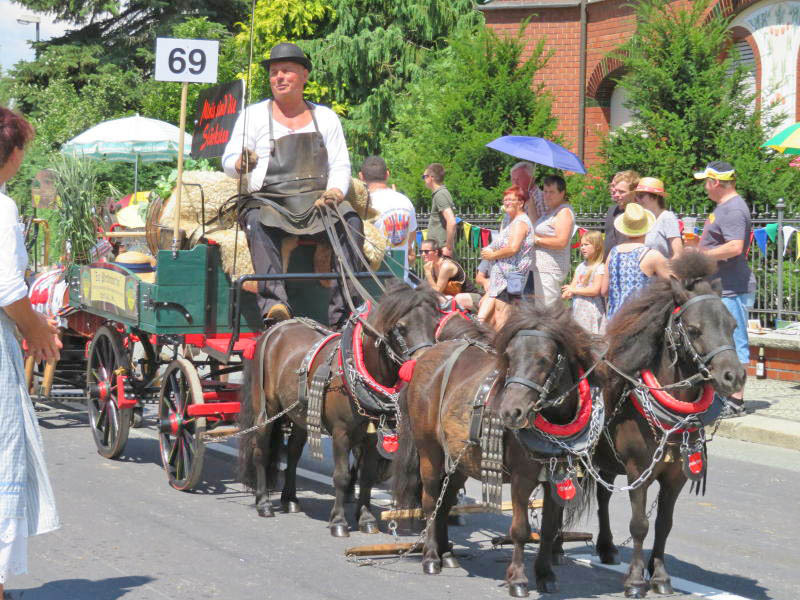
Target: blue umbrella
[538, 150]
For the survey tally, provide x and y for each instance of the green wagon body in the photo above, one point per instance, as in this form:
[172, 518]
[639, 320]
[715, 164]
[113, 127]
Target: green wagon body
[191, 293]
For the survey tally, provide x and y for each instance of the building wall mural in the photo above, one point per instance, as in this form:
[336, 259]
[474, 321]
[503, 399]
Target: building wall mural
[775, 27]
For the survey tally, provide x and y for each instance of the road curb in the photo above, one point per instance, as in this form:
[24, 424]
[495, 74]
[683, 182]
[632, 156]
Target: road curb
[762, 430]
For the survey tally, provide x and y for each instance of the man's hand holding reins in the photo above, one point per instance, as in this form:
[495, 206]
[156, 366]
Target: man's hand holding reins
[332, 197]
[247, 161]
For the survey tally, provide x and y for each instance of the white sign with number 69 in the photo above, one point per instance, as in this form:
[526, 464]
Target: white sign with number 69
[193, 61]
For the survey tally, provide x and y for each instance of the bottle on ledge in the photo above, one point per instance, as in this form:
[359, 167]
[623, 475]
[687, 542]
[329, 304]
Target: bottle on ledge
[761, 367]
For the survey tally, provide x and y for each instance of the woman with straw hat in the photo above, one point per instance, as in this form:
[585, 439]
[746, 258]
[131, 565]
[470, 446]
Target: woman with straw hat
[631, 264]
[665, 236]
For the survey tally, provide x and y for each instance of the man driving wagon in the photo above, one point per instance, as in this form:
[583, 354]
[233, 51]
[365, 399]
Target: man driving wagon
[294, 159]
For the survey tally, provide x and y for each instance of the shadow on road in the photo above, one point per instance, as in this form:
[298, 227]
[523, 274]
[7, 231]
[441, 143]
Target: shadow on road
[727, 582]
[80, 589]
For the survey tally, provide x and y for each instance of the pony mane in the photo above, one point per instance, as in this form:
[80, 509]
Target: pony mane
[398, 299]
[636, 331]
[555, 320]
[468, 329]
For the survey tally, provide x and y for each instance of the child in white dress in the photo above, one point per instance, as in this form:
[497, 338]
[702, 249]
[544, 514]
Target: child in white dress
[588, 306]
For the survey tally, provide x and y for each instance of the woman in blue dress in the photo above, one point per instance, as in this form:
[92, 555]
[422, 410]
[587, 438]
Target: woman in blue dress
[631, 264]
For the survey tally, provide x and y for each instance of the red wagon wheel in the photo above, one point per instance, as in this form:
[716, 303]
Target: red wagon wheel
[109, 423]
[179, 433]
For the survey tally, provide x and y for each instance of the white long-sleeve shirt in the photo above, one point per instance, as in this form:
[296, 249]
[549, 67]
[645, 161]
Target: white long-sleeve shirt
[13, 256]
[257, 139]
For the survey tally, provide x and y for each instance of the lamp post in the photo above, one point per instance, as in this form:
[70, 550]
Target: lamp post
[35, 20]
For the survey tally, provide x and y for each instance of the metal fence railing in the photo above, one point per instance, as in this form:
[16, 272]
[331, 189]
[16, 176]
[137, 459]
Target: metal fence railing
[777, 281]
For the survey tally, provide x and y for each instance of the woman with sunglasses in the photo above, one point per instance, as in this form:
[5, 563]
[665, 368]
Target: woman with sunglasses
[665, 236]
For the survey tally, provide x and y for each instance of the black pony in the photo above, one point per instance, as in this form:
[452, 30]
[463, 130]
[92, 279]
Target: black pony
[437, 412]
[404, 319]
[677, 329]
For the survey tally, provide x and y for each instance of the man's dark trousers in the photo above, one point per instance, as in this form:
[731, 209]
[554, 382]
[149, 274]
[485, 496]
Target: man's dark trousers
[265, 252]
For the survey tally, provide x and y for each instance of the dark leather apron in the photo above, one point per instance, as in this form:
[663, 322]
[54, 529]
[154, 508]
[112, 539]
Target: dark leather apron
[296, 177]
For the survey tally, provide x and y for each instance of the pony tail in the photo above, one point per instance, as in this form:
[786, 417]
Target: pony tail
[269, 442]
[246, 470]
[407, 484]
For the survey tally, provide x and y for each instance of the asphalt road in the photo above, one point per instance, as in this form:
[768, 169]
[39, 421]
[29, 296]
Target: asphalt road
[126, 533]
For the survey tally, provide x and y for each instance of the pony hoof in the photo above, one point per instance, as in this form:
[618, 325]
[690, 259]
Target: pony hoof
[636, 591]
[662, 587]
[340, 530]
[449, 561]
[431, 567]
[558, 558]
[518, 590]
[265, 511]
[546, 586]
[369, 527]
[456, 520]
[609, 558]
[291, 507]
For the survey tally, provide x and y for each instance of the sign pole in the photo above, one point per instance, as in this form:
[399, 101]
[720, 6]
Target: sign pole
[179, 189]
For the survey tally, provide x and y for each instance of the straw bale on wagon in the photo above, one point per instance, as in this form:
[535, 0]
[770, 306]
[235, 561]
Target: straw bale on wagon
[218, 188]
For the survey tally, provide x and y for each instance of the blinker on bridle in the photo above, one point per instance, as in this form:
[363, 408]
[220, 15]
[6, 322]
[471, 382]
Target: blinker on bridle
[555, 373]
[675, 325]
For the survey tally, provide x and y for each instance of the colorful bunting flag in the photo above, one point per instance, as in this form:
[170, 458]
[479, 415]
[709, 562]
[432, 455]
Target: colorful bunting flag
[424, 234]
[419, 238]
[485, 238]
[467, 230]
[475, 237]
[772, 231]
[760, 236]
[581, 232]
[788, 230]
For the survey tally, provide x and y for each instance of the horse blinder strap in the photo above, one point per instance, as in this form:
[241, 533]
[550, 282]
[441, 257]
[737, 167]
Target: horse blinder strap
[702, 361]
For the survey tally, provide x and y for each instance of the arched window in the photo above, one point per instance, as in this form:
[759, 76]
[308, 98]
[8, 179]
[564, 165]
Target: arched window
[620, 115]
[747, 55]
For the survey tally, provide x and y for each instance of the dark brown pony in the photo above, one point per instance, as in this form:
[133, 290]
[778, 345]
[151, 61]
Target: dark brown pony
[637, 342]
[404, 318]
[436, 420]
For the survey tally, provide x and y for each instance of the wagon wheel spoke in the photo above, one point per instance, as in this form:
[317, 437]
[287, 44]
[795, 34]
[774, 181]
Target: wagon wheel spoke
[109, 425]
[180, 466]
[102, 417]
[173, 452]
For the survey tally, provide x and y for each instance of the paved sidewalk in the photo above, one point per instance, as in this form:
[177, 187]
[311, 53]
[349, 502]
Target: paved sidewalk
[775, 416]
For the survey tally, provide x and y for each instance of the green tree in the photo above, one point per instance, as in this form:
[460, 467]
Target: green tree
[278, 21]
[372, 49]
[477, 90]
[692, 105]
[67, 90]
[123, 26]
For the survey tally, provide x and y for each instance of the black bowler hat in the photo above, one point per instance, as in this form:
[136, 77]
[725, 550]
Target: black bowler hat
[286, 51]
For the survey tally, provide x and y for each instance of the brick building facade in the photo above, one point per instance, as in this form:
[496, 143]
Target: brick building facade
[766, 32]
